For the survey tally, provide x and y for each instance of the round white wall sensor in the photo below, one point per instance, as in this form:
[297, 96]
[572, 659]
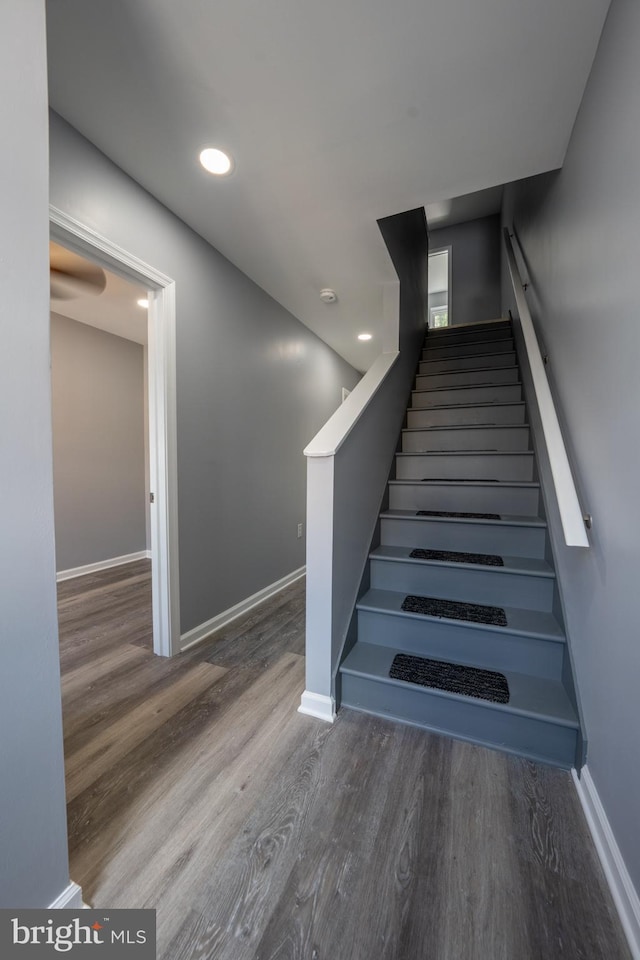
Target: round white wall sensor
[328, 296]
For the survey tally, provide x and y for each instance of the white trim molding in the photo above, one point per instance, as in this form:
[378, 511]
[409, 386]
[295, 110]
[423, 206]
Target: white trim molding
[201, 632]
[102, 565]
[624, 894]
[318, 705]
[69, 899]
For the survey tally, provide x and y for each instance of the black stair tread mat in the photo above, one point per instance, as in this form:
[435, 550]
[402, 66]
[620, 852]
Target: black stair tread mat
[451, 677]
[457, 450]
[454, 610]
[483, 559]
[458, 515]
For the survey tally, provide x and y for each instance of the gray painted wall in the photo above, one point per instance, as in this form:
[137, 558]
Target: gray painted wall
[33, 865]
[98, 444]
[253, 387]
[580, 232]
[475, 268]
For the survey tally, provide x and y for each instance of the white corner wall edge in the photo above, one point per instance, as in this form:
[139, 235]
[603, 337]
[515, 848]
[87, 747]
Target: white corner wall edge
[69, 899]
[624, 894]
[318, 705]
[201, 632]
[102, 565]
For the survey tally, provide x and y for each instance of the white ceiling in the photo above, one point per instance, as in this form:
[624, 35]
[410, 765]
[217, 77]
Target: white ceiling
[336, 114]
[114, 310]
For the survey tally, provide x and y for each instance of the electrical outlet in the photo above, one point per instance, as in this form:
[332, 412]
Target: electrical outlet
[299, 530]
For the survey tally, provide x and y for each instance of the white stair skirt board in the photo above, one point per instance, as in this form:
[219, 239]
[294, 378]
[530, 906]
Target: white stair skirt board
[200, 633]
[318, 705]
[624, 894]
[69, 899]
[102, 565]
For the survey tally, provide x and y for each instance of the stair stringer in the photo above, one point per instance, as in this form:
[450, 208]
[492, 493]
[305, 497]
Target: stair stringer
[549, 508]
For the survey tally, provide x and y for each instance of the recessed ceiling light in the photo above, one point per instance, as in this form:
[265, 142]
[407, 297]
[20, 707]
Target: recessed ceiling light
[364, 336]
[215, 161]
[143, 303]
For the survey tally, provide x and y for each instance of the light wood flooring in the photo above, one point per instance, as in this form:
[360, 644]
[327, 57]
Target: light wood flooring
[196, 788]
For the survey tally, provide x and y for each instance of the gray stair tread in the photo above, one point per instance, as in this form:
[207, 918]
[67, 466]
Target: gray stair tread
[464, 406]
[450, 373]
[508, 520]
[527, 566]
[470, 327]
[530, 623]
[461, 406]
[529, 696]
[501, 336]
[492, 484]
[464, 453]
[470, 356]
[467, 386]
[467, 426]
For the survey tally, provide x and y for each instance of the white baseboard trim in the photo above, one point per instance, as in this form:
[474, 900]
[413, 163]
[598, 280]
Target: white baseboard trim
[102, 565]
[69, 899]
[318, 705]
[624, 894]
[200, 633]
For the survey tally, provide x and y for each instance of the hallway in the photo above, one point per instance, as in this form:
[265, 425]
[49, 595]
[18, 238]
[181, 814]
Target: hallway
[195, 787]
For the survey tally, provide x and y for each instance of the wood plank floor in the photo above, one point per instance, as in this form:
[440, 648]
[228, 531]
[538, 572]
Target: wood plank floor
[196, 788]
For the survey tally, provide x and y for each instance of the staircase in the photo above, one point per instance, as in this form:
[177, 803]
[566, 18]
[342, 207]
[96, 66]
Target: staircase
[466, 460]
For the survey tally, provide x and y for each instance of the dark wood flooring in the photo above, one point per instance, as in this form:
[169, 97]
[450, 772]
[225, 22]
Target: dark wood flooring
[196, 788]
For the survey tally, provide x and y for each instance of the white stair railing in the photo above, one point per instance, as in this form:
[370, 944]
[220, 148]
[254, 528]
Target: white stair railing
[574, 521]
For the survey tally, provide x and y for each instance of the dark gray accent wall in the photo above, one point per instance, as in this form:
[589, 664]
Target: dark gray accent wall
[34, 868]
[97, 382]
[253, 387]
[580, 232]
[363, 462]
[475, 268]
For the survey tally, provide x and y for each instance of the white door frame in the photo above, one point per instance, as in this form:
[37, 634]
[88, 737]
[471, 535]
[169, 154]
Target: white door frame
[449, 251]
[162, 416]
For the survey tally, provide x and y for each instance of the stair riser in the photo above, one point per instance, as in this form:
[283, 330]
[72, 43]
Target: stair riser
[491, 649]
[468, 537]
[466, 378]
[467, 363]
[518, 501]
[423, 466]
[471, 347]
[449, 416]
[500, 392]
[466, 719]
[455, 582]
[481, 438]
[489, 331]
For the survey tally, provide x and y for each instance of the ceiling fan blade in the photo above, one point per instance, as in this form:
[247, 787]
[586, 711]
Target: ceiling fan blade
[73, 277]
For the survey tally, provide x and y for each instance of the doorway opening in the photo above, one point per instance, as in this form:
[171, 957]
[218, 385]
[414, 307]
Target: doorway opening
[440, 288]
[160, 476]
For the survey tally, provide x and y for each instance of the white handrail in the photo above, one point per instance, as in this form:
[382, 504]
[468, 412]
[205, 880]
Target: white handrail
[333, 434]
[571, 515]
